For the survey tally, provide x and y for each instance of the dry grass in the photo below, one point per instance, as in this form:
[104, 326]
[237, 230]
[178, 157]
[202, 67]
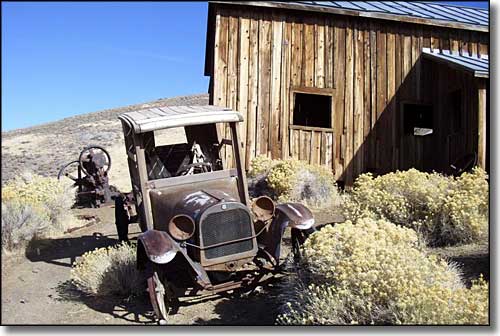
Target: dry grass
[35, 207]
[295, 181]
[374, 272]
[108, 271]
[444, 209]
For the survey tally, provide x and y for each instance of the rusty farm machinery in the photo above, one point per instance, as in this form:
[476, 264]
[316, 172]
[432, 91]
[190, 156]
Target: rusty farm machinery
[90, 176]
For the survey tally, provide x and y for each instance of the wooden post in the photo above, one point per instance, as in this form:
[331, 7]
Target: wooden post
[240, 165]
[145, 205]
[481, 119]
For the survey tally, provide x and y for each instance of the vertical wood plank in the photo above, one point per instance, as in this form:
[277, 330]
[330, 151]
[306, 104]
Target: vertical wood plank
[435, 42]
[309, 54]
[253, 83]
[349, 104]
[484, 44]
[297, 39]
[391, 99]
[242, 96]
[315, 147]
[329, 56]
[295, 76]
[319, 66]
[263, 110]
[358, 100]
[445, 39]
[396, 122]
[307, 146]
[220, 70]
[427, 37]
[381, 91]
[464, 42]
[366, 100]
[407, 65]
[232, 75]
[373, 94]
[327, 144]
[220, 60]
[285, 112]
[274, 121]
[454, 42]
[339, 101]
[295, 138]
[473, 46]
[323, 150]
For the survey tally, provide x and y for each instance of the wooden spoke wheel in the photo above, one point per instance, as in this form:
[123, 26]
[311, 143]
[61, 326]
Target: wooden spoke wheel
[160, 295]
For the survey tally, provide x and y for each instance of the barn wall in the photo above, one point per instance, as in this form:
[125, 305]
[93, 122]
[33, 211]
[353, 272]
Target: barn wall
[370, 66]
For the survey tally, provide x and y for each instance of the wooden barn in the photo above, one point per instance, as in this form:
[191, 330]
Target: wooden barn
[357, 86]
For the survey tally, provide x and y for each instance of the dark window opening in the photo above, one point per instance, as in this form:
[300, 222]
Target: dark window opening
[312, 110]
[417, 116]
[456, 111]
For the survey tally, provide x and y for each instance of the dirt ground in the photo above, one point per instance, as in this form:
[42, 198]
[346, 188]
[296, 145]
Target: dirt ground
[36, 288]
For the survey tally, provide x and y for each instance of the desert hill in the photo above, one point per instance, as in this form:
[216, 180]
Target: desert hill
[44, 148]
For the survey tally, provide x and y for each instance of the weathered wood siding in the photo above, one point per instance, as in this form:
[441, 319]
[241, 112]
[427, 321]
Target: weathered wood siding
[370, 65]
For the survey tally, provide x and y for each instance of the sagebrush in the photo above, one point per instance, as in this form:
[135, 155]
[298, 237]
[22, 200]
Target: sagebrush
[292, 180]
[35, 206]
[375, 272]
[444, 209]
[108, 271]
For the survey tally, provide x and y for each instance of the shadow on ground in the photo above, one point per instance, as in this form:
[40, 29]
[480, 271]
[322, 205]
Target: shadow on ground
[259, 307]
[56, 251]
[134, 309]
[473, 266]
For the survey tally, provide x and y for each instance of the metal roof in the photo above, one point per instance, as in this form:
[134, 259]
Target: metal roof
[424, 12]
[176, 116]
[477, 66]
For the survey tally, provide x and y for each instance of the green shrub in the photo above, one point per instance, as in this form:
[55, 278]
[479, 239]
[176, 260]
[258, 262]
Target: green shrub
[35, 206]
[374, 272]
[445, 210]
[108, 271]
[294, 181]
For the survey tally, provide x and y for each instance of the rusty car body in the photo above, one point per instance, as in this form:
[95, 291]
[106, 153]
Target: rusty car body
[201, 231]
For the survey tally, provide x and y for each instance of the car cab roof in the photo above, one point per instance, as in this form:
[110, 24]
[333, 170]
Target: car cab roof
[162, 117]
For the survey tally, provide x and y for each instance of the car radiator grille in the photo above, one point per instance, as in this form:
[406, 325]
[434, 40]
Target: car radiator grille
[225, 226]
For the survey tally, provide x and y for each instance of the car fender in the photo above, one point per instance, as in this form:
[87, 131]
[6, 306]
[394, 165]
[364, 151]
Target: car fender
[155, 246]
[295, 215]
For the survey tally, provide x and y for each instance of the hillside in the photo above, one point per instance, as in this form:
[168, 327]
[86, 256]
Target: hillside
[45, 148]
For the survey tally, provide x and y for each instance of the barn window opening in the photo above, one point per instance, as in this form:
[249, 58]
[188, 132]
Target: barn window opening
[418, 119]
[312, 110]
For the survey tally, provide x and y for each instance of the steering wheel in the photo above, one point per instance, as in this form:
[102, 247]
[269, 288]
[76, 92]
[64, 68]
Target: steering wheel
[98, 155]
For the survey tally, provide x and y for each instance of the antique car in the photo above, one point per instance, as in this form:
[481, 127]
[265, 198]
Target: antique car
[201, 232]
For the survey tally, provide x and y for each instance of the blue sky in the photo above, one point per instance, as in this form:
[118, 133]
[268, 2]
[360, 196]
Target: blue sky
[62, 59]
